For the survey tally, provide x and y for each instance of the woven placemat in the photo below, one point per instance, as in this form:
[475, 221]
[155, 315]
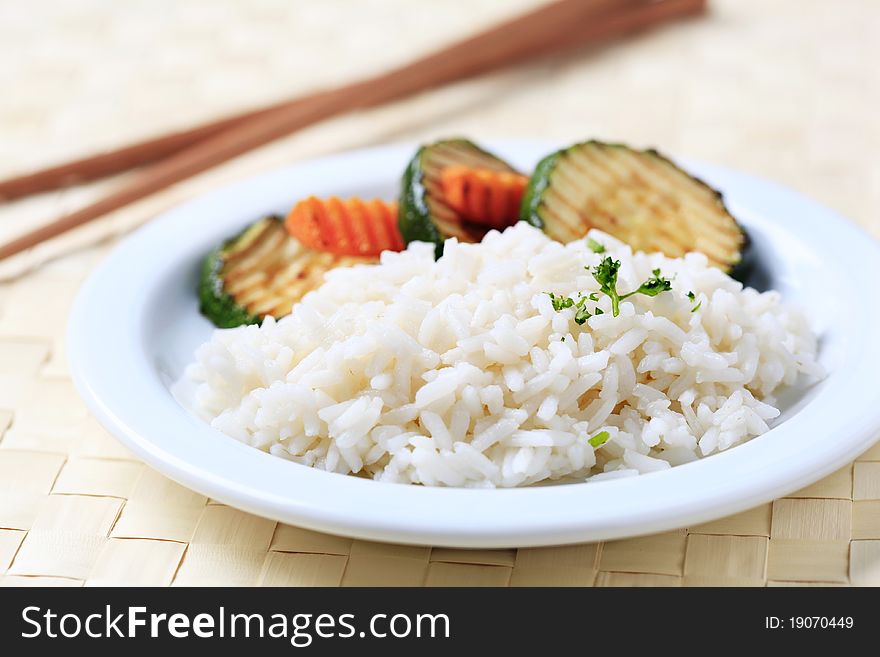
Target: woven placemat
[784, 89]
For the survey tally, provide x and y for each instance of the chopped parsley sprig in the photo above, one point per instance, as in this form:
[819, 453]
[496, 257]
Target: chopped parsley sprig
[560, 303]
[582, 314]
[594, 246]
[653, 286]
[605, 274]
[599, 439]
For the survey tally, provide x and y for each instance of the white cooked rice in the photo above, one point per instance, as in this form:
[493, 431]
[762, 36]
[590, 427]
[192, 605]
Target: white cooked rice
[460, 373]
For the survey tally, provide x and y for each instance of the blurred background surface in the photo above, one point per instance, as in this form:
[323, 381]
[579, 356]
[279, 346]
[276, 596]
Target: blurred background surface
[787, 89]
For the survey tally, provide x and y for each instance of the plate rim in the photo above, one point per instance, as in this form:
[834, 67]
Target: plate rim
[446, 525]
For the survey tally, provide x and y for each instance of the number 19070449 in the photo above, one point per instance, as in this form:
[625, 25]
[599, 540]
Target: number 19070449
[809, 622]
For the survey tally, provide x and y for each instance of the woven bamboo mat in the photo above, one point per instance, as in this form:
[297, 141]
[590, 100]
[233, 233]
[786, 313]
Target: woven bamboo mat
[785, 89]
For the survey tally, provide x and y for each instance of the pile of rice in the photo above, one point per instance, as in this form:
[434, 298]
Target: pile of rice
[459, 372]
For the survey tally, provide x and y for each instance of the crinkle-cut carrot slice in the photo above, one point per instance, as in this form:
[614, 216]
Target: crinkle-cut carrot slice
[483, 196]
[345, 227]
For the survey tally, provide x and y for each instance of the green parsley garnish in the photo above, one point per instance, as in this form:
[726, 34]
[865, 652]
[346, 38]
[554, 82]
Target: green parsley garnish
[653, 286]
[599, 439]
[605, 274]
[697, 307]
[560, 302]
[595, 247]
[691, 296]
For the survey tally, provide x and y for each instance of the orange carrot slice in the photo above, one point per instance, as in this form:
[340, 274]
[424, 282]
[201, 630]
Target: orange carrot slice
[345, 227]
[483, 196]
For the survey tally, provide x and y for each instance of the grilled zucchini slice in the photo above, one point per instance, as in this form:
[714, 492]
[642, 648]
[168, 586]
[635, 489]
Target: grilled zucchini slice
[424, 215]
[261, 271]
[640, 197]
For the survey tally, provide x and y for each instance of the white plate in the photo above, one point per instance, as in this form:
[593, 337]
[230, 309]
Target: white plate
[136, 324]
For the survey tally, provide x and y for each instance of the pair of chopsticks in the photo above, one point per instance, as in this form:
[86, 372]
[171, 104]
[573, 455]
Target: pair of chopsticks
[169, 159]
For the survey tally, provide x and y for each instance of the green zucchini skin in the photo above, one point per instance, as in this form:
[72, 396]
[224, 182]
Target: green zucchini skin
[414, 216]
[534, 210]
[215, 302]
[417, 216]
[538, 183]
[748, 261]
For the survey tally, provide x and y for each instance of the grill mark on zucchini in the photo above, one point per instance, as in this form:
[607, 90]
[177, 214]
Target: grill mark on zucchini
[592, 166]
[239, 268]
[640, 197]
[603, 185]
[707, 199]
[261, 272]
[576, 199]
[566, 212]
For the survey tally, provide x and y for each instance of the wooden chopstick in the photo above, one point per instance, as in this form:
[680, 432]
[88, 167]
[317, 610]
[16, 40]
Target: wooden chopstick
[101, 165]
[116, 161]
[151, 150]
[564, 23]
